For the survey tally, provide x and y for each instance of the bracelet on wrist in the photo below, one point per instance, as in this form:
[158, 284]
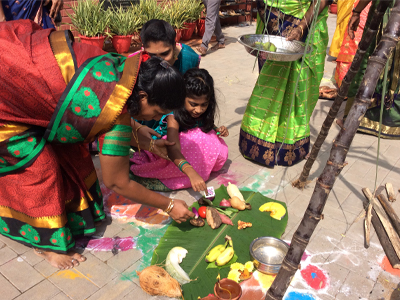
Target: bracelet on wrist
[181, 163]
[356, 12]
[170, 206]
[181, 166]
[188, 166]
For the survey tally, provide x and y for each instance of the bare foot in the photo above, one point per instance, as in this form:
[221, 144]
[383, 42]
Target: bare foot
[61, 261]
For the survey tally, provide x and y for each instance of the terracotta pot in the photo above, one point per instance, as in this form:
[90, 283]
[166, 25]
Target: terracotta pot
[188, 31]
[222, 287]
[122, 43]
[178, 35]
[333, 9]
[97, 41]
[201, 27]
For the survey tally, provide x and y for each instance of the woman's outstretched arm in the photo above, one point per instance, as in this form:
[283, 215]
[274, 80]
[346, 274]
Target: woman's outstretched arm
[176, 156]
[115, 170]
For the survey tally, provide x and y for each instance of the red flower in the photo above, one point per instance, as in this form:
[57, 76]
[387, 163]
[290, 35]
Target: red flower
[145, 56]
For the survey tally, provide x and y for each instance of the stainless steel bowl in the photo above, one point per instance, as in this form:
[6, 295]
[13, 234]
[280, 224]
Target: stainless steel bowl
[286, 51]
[267, 253]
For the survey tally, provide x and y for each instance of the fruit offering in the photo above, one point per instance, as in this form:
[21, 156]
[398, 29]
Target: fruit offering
[277, 210]
[267, 46]
[221, 254]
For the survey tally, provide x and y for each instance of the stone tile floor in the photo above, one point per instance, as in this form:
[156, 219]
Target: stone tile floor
[337, 245]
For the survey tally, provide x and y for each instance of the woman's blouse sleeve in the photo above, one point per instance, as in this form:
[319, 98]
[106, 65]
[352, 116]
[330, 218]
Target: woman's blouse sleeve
[116, 141]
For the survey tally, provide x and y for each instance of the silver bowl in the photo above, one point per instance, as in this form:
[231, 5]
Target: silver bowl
[286, 51]
[267, 253]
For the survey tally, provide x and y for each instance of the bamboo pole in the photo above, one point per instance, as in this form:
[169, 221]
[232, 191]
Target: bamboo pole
[343, 91]
[337, 157]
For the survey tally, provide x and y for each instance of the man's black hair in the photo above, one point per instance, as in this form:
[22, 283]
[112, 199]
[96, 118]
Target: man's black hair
[157, 31]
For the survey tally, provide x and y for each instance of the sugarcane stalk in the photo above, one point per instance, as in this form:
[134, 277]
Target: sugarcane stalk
[339, 150]
[366, 40]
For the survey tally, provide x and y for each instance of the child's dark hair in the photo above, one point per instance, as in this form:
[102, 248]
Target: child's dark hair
[163, 84]
[156, 31]
[198, 83]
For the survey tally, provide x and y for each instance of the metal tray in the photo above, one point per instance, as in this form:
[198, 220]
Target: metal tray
[286, 51]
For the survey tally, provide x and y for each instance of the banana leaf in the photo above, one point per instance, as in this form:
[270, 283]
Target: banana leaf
[199, 240]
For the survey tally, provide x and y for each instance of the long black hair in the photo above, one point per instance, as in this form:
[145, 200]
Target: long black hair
[198, 83]
[163, 84]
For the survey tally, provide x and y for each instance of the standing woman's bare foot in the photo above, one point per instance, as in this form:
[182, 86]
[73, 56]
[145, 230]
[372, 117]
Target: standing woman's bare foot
[61, 261]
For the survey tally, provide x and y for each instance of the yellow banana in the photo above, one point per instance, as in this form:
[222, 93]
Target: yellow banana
[215, 252]
[225, 256]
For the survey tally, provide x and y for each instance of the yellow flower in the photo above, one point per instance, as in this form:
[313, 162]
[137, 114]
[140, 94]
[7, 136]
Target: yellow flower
[234, 275]
[249, 266]
[237, 266]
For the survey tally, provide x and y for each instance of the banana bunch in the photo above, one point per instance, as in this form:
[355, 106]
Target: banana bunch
[221, 254]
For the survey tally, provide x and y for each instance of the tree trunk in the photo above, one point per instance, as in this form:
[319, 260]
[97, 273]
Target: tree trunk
[342, 93]
[337, 157]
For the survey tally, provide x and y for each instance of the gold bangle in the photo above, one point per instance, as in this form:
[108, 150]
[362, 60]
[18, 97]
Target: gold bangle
[189, 166]
[151, 146]
[170, 206]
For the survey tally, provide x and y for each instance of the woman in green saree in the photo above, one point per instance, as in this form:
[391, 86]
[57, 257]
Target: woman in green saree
[274, 131]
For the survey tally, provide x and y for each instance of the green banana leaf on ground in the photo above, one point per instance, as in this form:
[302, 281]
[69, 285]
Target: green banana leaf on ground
[199, 240]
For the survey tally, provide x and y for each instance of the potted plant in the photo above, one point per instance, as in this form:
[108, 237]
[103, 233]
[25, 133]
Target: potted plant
[194, 9]
[176, 14]
[333, 8]
[90, 20]
[149, 9]
[124, 22]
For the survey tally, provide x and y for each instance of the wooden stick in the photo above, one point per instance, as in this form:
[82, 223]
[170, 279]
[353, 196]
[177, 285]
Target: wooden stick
[390, 192]
[392, 234]
[368, 215]
[379, 190]
[390, 212]
[384, 240]
[367, 225]
[382, 235]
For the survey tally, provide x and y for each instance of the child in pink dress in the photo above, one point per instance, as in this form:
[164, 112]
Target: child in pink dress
[198, 150]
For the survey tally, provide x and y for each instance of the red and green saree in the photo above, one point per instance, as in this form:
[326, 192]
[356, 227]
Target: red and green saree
[55, 96]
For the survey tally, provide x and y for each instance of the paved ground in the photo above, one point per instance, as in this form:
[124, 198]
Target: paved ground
[336, 247]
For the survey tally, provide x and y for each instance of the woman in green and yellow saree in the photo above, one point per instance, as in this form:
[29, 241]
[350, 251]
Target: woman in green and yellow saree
[274, 130]
[55, 96]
